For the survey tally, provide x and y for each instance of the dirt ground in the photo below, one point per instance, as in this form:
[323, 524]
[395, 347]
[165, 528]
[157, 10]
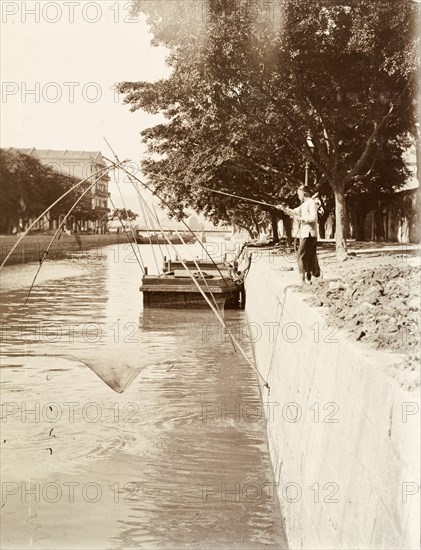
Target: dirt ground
[374, 296]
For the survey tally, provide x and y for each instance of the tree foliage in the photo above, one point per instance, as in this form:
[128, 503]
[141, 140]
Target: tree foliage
[29, 187]
[123, 214]
[246, 92]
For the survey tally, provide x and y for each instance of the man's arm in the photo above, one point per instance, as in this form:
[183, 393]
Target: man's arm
[292, 212]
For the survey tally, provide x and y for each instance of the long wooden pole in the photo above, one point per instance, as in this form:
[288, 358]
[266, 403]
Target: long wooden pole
[164, 202]
[285, 209]
[238, 197]
[234, 342]
[63, 221]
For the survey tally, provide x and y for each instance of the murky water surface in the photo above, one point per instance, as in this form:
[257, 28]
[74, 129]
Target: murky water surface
[124, 428]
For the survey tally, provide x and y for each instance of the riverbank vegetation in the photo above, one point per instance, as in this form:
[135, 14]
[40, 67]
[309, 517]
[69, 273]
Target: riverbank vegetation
[28, 187]
[262, 93]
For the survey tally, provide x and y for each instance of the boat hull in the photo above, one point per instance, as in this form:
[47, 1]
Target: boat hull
[180, 292]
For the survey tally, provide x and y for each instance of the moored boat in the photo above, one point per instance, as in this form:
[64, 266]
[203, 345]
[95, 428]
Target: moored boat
[154, 238]
[180, 291]
[192, 265]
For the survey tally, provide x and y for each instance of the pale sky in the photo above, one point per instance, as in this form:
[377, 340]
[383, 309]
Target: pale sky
[71, 54]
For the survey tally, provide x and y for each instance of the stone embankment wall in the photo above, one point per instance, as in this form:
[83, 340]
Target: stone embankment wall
[343, 431]
[32, 247]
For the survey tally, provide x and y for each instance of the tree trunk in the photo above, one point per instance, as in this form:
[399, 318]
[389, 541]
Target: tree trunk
[6, 225]
[275, 233]
[322, 224]
[340, 222]
[360, 217]
[379, 226]
[249, 231]
[256, 224]
[246, 228]
[322, 230]
[287, 221]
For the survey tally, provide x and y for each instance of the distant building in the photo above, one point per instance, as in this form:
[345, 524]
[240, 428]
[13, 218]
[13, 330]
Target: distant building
[80, 165]
[400, 219]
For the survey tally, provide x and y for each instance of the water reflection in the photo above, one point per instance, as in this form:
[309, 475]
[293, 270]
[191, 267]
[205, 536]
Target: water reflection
[161, 455]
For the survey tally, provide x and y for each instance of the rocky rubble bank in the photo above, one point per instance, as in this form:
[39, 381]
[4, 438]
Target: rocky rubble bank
[378, 305]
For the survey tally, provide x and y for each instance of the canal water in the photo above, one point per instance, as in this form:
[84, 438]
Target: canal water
[124, 428]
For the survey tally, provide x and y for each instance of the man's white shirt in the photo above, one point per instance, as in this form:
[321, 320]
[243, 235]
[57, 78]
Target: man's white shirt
[307, 211]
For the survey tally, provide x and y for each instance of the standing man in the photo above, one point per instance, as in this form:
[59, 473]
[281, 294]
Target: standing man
[306, 215]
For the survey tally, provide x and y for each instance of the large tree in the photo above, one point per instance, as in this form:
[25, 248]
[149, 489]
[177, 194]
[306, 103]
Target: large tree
[348, 82]
[247, 93]
[206, 141]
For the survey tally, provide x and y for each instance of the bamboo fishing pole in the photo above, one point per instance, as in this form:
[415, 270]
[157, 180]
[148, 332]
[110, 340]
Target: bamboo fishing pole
[217, 313]
[57, 232]
[141, 206]
[49, 208]
[285, 209]
[238, 197]
[146, 209]
[168, 206]
[138, 258]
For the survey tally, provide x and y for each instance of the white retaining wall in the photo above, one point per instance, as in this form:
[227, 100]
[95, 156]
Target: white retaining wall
[343, 430]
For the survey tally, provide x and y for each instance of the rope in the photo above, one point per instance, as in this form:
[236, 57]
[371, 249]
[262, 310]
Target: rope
[141, 203]
[201, 273]
[127, 217]
[139, 259]
[166, 245]
[183, 242]
[164, 202]
[233, 341]
[155, 230]
[277, 334]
